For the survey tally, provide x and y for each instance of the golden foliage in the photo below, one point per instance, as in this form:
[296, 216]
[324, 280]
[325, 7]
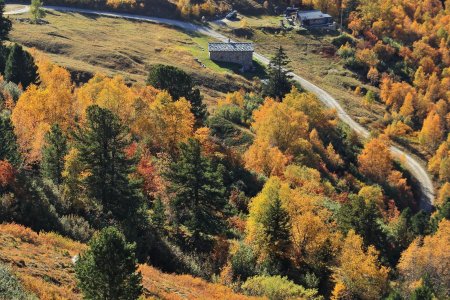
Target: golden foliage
[428, 256]
[359, 273]
[375, 160]
[40, 107]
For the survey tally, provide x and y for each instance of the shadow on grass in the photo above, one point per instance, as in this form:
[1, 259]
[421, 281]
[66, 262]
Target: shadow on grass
[258, 69]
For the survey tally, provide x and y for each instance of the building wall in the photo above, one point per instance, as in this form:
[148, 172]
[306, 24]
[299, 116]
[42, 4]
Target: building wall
[243, 58]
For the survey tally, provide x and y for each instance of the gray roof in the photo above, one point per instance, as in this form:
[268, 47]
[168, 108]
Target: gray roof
[229, 47]
[312, 14]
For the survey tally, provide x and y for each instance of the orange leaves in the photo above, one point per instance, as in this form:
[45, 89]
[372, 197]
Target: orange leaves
[375, 160]
[432, 131]
[265, 159]
[7, 173]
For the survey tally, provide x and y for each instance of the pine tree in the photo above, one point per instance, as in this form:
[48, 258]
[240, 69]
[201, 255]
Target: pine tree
[179, 84]
[159, 214]
[53, 154]
[277, 228]
[101, 145]
[279, 83]
[5, 23]
[20, 67]
[199, 190]
[8, 142]
[108, 269]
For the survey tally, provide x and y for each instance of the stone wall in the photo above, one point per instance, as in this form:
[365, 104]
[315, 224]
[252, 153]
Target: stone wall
[239, 57]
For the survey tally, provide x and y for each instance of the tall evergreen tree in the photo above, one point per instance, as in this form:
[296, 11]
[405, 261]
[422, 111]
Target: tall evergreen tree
[179, 84]
[279, 82]
[108, 269]
[5, 23]
[8, 142]
[20, 67]
[199, 190]
[364, 218]
[53, 153]
[277, 228]
[101, 144]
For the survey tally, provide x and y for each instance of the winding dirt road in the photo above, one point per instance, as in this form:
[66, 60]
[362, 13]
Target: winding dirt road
[412, 164]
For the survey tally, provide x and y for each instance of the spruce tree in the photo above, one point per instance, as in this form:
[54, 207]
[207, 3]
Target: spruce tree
[179, 84]
[277, 228]
[101, 144]
[8, 142]
[279, 82]
[53, 153]
[198, 188]
[5, 23]
[108, 269]
[158, 216]
[20, 67]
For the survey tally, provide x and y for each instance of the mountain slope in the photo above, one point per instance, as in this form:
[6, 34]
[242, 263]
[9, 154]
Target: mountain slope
[43, 263]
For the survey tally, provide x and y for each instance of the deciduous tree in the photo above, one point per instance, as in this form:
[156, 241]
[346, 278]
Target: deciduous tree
[375, 160]
[359, 274]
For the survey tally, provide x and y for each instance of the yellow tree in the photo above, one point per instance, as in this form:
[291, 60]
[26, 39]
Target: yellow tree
[265, 159]
[432, 131]
[359, 273]
[109, 93]
[428, 256]
[281, 124]
[375, 160]
[40, 107]
[165, 123]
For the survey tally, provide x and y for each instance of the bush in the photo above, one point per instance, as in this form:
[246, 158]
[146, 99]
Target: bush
[277, 288]
[346, 51]
[243, 262]
[10, 287]
[343, 39]
[10, 89]
[231, 113]
[76, 227]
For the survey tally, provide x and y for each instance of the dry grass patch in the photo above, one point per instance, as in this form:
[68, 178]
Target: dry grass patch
[86, 44]
[43, 263]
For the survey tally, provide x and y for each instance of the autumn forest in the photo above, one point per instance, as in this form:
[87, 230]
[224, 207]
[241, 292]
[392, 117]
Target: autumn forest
[261, 192]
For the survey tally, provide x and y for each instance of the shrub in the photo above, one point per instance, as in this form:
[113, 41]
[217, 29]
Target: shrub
[10, 286]
[243, 262]
[76, 227]
[231, 113]
[343, 39]
[346, 51]
[277, 288]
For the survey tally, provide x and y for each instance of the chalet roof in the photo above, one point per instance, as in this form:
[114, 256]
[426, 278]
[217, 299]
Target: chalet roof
[230, 47]
[312, 14]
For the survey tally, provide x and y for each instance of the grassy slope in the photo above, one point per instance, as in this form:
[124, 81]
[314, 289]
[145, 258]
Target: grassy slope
[43, 264]
[309, 61]
[87, 44]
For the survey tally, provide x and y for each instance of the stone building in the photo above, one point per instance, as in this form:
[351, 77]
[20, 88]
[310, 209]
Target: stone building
[239, 53]
[315, 18]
